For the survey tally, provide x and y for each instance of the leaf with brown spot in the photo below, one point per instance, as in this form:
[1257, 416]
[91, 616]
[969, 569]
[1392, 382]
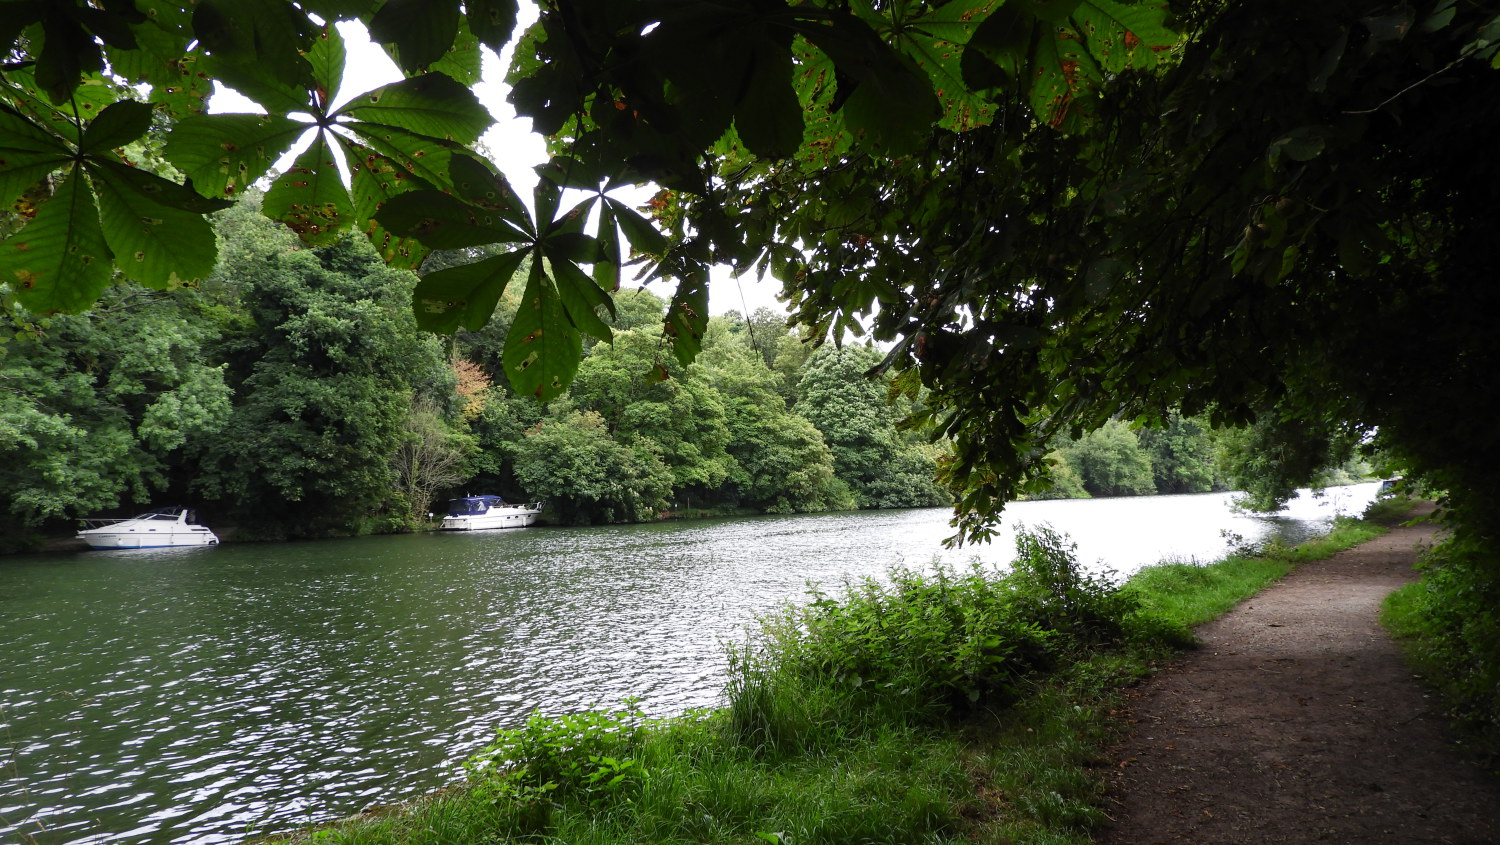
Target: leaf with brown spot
[543, 348]
[310, 198]
[223, 154]
[59, 261]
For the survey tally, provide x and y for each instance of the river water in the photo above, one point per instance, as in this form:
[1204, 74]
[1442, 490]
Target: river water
[205, 695]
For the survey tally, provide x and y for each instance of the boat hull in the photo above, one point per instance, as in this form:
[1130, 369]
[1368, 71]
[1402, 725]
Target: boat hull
[144, 540]
[497, 518]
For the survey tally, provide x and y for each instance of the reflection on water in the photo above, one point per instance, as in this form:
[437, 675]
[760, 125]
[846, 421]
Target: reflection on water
[200, 695]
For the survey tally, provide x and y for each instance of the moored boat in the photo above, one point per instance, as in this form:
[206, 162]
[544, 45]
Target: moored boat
[173, 526]
[479, 513]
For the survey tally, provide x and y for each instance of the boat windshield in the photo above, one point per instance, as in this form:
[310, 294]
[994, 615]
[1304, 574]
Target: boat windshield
[473, 505]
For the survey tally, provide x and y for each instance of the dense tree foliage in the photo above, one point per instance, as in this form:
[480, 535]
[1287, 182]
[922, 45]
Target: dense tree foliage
[1109, 461]
[102, 406]
[291, 394]
[328, 364]
[884, 467]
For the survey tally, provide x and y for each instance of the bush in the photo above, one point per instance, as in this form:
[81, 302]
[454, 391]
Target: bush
[923, 646]
[582, 756]
[1448, 621]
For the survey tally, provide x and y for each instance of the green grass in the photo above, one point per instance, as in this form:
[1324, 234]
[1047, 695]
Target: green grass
[961, 706]
[1190, 595]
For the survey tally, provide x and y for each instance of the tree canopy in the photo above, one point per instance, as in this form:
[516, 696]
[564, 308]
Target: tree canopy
[1056, 212]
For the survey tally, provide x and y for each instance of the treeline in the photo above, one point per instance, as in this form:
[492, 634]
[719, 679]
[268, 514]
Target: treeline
[291, 395]
[1187, 455]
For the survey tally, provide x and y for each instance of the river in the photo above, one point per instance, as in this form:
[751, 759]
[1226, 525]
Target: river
[206, 695]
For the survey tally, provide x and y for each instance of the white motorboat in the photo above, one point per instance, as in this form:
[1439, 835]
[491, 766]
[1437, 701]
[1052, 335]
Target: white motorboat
[477, 513]
[173, 526]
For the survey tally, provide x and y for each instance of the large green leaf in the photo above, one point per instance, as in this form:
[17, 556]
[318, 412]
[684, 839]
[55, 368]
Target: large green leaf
[421, 155]
[27, 154]
[431, 104]
[442, 221]
[935, 42]
[545, 198]
[581, 298]
[999, 49]
[542, 349]
[464, 296]
[116, 126]
[68, 53]
[1121, 36]
[189, 89]
[376, 179]
[161, 39]
[223, 154]
[59, 261]
[892, 107]
[154, 244]
[768, 116]
[492, 21]
[158, 190]
[644, 237]
[310, 198]
[92, 96]
[607, 265]
[20, 133]
[421, 30]
[269, 36]
[477, 183]
[275, 95]
[464, 61]
[327, 58]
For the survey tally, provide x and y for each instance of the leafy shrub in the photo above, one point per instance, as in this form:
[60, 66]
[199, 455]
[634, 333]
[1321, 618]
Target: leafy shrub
[1388, 510]
[1059, 595]
[582, 755]
[924, 646]
[1450, 619]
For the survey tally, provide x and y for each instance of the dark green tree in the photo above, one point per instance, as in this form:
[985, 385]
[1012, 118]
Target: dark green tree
[1182, 455]
[883, 467]
[1109, 461]
[681, 417]
[326, 371]
[782, 464]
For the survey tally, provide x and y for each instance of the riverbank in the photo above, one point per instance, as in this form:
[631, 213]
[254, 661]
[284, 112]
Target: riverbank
[902, 718]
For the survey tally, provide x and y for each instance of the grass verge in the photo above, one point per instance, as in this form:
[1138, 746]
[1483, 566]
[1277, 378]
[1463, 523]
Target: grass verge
[1446, 625]
[946, 706]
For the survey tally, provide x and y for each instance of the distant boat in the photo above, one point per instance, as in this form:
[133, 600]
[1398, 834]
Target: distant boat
[174, 526]
[478, 513]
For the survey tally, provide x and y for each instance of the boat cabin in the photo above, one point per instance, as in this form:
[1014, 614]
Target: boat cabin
[473, 505]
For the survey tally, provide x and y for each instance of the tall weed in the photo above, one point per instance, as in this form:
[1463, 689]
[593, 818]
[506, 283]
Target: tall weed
[923, 646]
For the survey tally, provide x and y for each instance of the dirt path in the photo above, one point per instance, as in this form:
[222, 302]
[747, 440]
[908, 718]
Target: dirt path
[1297, 721]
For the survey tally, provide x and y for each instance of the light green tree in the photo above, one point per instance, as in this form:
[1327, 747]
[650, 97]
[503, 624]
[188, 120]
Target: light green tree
[1109, 461]
[585, 476]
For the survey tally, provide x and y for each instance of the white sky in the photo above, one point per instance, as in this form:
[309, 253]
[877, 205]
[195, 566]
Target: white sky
[515, 148]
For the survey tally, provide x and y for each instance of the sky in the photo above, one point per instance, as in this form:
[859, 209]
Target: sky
[515, 150]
